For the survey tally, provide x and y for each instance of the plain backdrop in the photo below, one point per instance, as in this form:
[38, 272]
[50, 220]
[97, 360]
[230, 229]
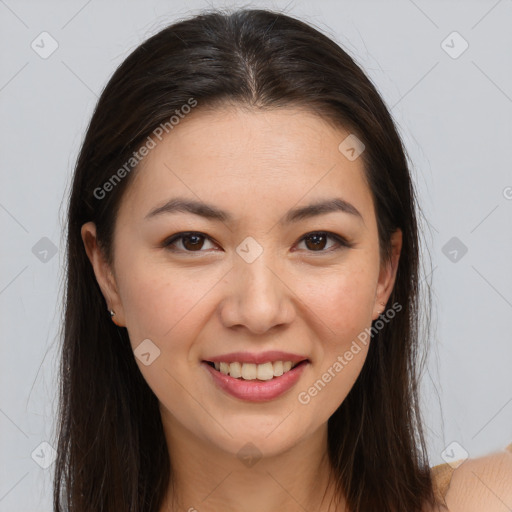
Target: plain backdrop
[445, 71]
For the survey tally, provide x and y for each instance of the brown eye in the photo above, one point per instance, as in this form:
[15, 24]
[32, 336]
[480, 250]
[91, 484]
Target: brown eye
[190, 242]
[316, 242]
[194, 242]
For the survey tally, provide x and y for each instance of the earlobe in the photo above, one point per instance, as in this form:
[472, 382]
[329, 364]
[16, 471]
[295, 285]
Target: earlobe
[112, 315]
[103, 272]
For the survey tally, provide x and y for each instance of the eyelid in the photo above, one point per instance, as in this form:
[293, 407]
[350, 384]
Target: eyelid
[167, 243]
[343, 243]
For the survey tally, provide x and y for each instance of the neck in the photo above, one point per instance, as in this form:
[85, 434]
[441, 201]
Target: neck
[207, 479]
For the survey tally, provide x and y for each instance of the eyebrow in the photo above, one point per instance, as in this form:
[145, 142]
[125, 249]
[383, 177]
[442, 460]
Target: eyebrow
[208, 211]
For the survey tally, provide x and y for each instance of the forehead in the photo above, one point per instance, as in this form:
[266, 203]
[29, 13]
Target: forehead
[241, 158]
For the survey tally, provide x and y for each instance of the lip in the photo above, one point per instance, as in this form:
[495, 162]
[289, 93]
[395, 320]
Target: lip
[256, 390]
[257, 358]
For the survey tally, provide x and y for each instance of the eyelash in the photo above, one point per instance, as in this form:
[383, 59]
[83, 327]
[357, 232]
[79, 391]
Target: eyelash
[343, 243]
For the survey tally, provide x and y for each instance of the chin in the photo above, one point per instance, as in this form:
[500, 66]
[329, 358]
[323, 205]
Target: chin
[260, 439]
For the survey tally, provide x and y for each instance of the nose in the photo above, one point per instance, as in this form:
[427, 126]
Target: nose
[257, 297]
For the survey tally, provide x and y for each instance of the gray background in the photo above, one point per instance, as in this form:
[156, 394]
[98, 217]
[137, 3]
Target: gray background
[454, 115]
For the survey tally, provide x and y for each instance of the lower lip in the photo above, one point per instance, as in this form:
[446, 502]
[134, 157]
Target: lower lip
[257, 390]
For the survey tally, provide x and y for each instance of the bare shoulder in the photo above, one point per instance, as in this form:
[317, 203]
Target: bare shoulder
[476, 485]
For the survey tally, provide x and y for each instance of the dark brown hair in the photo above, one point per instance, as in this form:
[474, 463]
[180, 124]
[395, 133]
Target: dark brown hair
[112, 454]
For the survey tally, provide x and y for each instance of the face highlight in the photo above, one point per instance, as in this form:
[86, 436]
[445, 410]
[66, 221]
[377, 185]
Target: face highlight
[247, 272]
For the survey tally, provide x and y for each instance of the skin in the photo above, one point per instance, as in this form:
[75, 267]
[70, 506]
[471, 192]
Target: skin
[296, 296]
[476, 484]
[484, 483]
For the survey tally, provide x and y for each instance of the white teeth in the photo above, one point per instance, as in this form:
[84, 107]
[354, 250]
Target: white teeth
[278, 368]
[235, 370]
[265, 371]
[251, 371]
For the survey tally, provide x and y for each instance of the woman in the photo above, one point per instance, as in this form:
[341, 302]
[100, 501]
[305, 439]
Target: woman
[242, 324]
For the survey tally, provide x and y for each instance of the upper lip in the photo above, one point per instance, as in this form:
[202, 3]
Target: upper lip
[257, 358]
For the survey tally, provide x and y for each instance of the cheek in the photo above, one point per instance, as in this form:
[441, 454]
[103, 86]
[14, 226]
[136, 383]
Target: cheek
[342, 299]
[342, 303]
[165, 304]
[337, 368]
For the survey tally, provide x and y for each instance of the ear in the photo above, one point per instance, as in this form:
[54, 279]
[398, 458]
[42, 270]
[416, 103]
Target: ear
[103, 272]
[387, 275]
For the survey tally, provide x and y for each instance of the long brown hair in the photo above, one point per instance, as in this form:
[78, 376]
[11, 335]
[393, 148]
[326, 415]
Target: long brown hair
[112, 453]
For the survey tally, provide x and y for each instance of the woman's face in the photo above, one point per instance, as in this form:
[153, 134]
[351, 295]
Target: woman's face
[250, 282]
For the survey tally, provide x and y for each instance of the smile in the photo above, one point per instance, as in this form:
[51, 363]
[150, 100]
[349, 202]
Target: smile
[251, 371]
[249, 386]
